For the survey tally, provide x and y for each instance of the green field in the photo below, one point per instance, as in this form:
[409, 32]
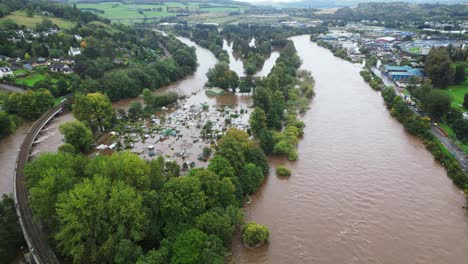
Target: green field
[457, 92]
[115, 10]
[20, 18]
[30, 80]
[415, 50]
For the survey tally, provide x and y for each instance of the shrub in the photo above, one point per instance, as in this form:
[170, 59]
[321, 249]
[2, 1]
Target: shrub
[283, 171]
[255, 235]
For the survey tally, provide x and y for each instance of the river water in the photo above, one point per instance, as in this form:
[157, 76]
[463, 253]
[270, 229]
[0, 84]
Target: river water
[362, 191]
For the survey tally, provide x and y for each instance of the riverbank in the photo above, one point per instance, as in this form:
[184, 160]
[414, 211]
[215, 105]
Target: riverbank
[415, 123]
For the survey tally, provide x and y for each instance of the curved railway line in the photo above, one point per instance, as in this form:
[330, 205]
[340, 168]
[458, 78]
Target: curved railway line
[32, 231]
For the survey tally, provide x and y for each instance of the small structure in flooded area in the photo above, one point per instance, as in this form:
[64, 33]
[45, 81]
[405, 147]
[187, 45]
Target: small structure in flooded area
[215, 91]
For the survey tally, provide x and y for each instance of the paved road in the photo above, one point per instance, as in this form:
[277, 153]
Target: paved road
[446, 141]
[12, 88]
[33, 234]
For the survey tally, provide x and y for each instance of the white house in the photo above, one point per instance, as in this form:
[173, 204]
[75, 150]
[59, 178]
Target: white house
[5, 71]
[74, 51]
[78, 38]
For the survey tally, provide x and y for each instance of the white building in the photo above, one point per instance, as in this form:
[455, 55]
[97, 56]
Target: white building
[74, 51]
[5, 71]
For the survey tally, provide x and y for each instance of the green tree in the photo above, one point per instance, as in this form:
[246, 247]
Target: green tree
[257, 121]
[93, 219]
[219, 192]
[182, 199]
[465, 101]
[218, 224]
[127, 252]
[135, 110]
[254, 234]
[438, 67]
[77, 135]
[10, 231]
[251, 178]
[437, 104]
[124, 166]
[460, 74]
[7, 126]
[95, 110]
[262, 98]
[194, 246]
[221, 76]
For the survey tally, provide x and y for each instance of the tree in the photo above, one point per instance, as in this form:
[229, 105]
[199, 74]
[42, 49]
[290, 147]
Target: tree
[124, 166]
[77, 135]
[135, 110]
[10, 230]
[465, 101]
[196, 247]
[214, 223]
[251, 178]
[219, 192]
[182, 199]
[27, 56]
[437, 104]
[127, 252]
[438, 67]
[221, 76]
[95, 110]
[7, 126]
[257, 121]
[460, 74]
[254, 234]
[262, 98]
[93, 221]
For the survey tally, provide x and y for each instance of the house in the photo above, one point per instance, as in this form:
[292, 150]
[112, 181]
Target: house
[6, 71]
[62, 68]
[78, 38]
[74, 51]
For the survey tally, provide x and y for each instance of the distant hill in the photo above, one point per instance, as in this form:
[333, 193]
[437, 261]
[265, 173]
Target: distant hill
[229, 2]
[339, 3]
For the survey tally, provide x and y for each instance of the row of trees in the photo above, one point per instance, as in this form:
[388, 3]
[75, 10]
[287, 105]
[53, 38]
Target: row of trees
[277, 100]
[122, 209]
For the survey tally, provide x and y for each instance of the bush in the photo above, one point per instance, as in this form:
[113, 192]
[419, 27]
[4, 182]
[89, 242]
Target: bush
[255, 235]
[283, 171]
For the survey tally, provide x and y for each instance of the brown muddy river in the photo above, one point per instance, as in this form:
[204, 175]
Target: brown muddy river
[362, 191]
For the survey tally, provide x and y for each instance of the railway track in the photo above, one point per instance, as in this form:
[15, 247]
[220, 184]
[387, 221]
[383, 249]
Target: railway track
[32, 231]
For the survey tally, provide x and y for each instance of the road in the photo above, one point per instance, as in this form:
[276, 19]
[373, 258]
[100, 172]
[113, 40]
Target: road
[33, 234]
[11, 88]
[446, 141]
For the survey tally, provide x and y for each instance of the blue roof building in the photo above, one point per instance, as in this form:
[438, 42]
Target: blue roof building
[402, 73]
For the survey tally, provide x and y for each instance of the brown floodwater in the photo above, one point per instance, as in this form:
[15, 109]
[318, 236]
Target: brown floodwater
[9, 147]
[362, 191]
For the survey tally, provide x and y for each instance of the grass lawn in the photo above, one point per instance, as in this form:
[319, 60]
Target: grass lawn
[414, 50]
[20, 18]
[30, 80]
[457, 92]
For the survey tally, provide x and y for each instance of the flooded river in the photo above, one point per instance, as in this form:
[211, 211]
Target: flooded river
[362, 191]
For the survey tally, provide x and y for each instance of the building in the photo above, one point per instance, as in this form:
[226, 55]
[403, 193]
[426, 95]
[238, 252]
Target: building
[385, 40]
[74, 51]
[6, 71]
[62, 68]
[402, 73]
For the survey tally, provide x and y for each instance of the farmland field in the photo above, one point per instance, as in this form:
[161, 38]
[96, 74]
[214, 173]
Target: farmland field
[114, 10]
[20, 18]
